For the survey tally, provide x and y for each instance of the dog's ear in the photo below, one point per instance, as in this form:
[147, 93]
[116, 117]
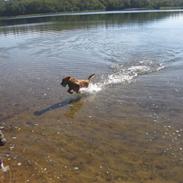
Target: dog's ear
[67, 78]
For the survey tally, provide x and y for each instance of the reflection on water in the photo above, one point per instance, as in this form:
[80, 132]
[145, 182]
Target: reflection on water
[126, 127]
[74, 109]
[24, 25]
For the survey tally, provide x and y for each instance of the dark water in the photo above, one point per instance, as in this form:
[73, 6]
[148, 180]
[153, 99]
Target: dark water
[126, 127]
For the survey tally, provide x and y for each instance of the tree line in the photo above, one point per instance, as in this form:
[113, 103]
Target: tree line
[23, 7]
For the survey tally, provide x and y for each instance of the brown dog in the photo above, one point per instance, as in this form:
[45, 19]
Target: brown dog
[75, 84]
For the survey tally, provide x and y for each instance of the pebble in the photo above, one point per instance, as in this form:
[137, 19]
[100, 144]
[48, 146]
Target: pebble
[19, 164]
[12, 147]
[76, 168]
[18, 129]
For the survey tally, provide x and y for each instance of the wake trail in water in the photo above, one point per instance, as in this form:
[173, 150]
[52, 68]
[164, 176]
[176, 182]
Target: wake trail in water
[122, 75]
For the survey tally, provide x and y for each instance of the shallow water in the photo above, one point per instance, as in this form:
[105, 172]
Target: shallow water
[126, 127]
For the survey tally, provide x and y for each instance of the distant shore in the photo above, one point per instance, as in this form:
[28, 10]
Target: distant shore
[131, 10]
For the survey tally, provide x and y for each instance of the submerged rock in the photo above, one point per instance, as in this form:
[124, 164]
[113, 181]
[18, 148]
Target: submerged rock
[2, 139]
[2, 167]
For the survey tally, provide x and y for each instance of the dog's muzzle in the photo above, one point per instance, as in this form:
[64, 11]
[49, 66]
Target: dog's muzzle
[63, 84]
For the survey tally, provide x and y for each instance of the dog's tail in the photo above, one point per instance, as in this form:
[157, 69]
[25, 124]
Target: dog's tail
[91, 77]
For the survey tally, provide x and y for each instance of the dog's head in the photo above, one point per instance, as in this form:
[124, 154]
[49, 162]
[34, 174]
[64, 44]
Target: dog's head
[65, 81]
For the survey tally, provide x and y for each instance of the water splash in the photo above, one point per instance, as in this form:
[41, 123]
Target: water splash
[93, 88]
[122, 75]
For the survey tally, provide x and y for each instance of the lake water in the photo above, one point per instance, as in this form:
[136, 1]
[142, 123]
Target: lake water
[126, 127]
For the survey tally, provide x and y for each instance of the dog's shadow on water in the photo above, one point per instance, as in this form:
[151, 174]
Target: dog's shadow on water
[69, 101]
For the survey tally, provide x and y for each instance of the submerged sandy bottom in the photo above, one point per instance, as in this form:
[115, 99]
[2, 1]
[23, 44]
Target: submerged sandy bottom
[71, 144]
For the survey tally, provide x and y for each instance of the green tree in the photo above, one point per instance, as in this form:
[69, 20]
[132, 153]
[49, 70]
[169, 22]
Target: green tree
[20, 7]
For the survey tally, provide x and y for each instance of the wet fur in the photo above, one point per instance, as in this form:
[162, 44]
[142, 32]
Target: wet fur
[75, 84]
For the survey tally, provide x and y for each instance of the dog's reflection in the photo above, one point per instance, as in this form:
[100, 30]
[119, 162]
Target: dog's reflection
[75, 105]
[74, 108]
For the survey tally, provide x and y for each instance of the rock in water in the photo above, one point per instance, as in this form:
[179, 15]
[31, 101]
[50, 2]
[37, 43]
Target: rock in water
[2, 167]
[2, 139]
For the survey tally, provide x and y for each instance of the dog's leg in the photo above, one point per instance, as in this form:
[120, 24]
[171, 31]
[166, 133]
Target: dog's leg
[69, 91]
[77, 89]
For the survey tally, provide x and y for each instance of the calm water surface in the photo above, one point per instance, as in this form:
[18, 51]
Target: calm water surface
[126, 127]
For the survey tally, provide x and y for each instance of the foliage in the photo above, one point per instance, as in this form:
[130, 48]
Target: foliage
[21, 7]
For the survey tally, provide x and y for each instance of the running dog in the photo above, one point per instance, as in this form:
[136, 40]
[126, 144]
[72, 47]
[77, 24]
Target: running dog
[75, 84]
